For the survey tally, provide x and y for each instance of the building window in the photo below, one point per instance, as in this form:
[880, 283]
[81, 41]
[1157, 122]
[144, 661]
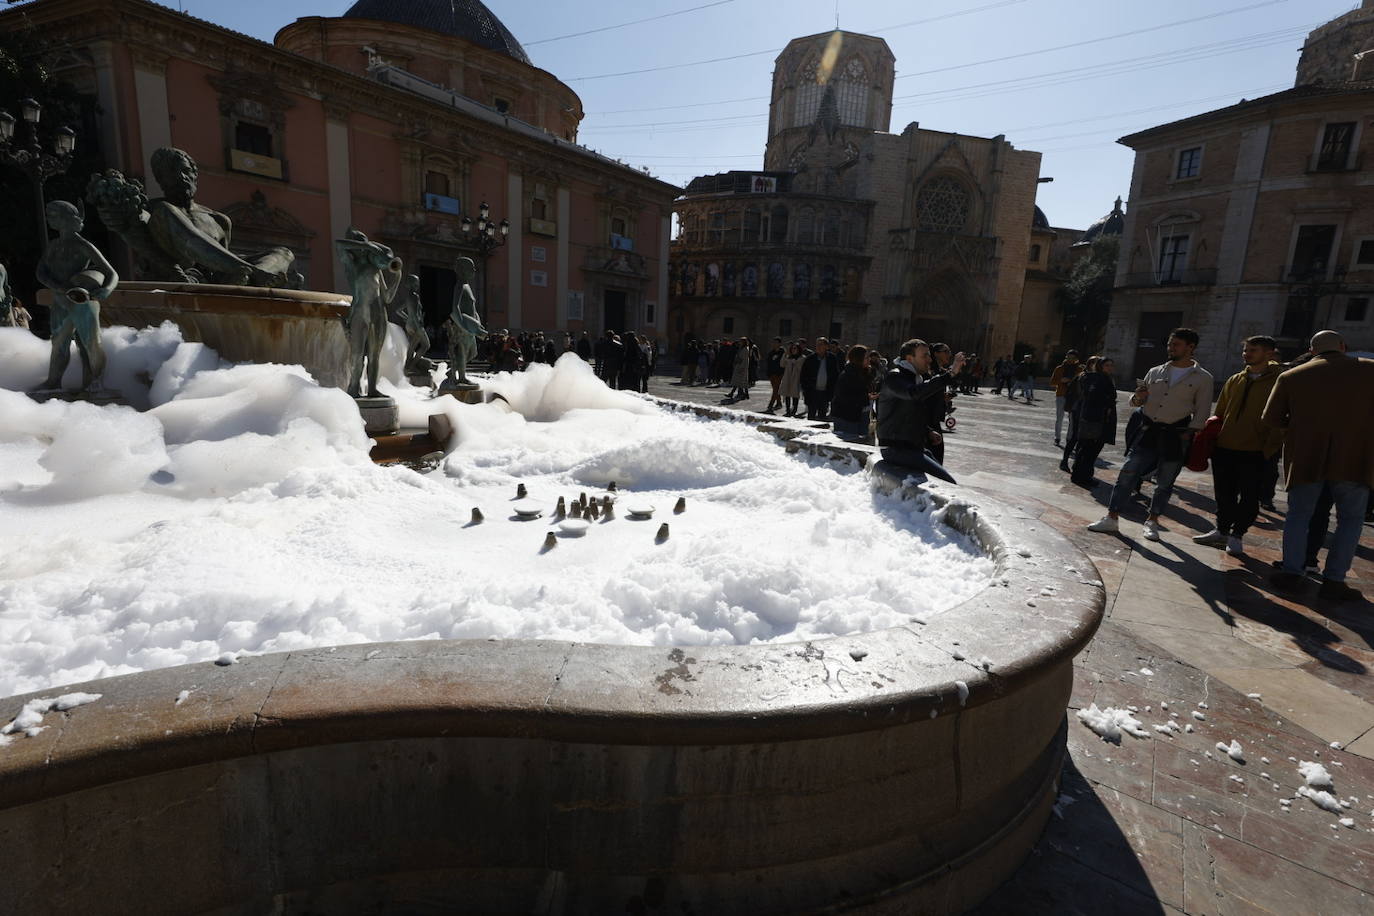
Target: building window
[650, 312]
[1035, 254]
[712, 279]
[1337, 140]
[618, 225]
[253, 138]
[778, 230]
[751, 225]
[727, 283]
[1312, 252]
[784, 327]
[727, 325]
[1189, 162]
[1173, 258]
[836, 330]
[436, 183]
[829, 282]
[501, 105]
[806, 225]
[801, 281]
[715, 231]
[539, 209]
[1356, 308]
[942, 206]
[1365, 254]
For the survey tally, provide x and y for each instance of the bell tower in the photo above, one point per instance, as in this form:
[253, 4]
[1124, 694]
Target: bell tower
[827, 82]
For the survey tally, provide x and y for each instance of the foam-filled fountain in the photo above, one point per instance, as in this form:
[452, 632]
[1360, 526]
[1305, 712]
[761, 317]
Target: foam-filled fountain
[257, 672]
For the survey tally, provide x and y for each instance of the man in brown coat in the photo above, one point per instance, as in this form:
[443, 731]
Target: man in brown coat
[1326, 409]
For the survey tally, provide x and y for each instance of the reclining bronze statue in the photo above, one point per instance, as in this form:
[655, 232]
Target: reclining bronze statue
[176, 239]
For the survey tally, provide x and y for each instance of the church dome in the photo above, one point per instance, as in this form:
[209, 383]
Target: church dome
[469, 19]
[1040, 220]
[1113, 223]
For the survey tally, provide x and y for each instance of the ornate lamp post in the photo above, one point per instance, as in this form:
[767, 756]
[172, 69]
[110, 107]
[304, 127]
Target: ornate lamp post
[490, 235]
[1310, 288]
[31, 159]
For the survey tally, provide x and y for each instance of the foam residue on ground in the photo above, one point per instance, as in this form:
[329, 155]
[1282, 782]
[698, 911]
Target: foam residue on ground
[240, 514]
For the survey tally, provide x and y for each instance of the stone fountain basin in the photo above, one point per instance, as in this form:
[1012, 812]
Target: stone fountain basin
[244, 324]
[850, 774]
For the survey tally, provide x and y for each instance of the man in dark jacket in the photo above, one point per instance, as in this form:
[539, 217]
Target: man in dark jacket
[905, 403]
[610, 358]
[584, 347]
[819, 375]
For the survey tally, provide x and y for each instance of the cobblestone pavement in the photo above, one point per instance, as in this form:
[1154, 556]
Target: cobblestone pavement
[1170, 823]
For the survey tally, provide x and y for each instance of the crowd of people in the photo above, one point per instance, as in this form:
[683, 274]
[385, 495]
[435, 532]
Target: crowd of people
[1312, 412]
[624, 361]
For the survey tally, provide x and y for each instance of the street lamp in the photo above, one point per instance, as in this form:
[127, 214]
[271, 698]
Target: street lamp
[1309, 287]
[30, 157]
[490, 235]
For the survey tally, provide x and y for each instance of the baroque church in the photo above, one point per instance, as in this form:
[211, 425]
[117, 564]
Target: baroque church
[854, 232]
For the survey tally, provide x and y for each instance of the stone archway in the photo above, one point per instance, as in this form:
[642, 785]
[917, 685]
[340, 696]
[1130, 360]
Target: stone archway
[948, 308]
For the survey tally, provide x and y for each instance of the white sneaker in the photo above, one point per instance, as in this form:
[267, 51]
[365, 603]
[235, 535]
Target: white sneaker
[1213, 538]
[1234, 547]
[1150, 530]
[1105, 524]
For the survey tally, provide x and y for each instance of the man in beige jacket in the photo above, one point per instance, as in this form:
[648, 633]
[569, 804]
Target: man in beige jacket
[1326, 409]
[1177, 400]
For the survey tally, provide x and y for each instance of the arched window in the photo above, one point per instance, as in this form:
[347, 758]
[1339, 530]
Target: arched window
[832, 229]
[1035, 254]
[727, 283]
[751, 226]
[749, 280]
[806, 225]
[942, 206]
[777, 278]
[779, 228]
[829, 283]
[801, 281]
[713, 279]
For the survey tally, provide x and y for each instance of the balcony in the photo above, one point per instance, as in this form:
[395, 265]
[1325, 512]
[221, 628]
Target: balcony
[1206, 276]
[1338, 163]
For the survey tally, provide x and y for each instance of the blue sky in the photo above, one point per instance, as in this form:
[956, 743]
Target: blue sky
[1064, 77]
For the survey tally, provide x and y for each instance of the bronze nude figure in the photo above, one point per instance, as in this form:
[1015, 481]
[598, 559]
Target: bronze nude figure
[79, 277]
[374, 273]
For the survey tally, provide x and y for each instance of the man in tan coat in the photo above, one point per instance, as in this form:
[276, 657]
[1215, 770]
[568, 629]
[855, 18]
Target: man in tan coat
[1326, 409]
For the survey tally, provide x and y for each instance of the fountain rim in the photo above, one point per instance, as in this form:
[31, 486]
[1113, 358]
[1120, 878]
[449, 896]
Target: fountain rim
[587, 692]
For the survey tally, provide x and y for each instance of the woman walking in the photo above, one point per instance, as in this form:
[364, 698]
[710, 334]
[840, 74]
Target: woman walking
[850, 406]
[739, 376]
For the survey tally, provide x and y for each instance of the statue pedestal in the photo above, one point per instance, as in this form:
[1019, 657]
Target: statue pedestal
[97, 396]
[467, 392]
[381, 417]
[420, 379]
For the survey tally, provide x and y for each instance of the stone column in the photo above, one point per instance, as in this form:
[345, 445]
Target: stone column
[154, 119]
[564, 210]
[111, 117]
[515, 249]
[340, 182]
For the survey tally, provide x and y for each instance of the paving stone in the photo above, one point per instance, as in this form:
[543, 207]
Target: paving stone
[1326, 711]
[1207, 650]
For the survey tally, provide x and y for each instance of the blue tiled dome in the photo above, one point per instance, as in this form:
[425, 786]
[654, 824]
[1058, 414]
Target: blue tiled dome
[468, 19]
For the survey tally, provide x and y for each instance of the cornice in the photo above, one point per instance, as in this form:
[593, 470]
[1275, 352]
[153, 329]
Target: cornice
[151, 30]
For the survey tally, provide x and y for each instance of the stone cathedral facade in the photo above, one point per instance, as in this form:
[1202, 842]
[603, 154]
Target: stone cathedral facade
[850, 230]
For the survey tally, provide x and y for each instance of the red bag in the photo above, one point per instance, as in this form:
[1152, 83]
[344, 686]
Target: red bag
[1201, 450]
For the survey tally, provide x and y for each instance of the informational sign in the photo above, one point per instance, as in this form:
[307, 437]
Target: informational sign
[574, 305]
[443, 204]
[622, 242]
[764, 184]
[539, 278]
[538, 254]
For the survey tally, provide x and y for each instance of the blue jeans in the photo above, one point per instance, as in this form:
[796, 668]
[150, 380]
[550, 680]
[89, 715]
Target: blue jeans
[1142, 459]
[1058, 415]
[1026, 387]
[1350, 500]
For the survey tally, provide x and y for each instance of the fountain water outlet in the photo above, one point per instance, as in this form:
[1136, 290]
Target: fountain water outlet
[681, 505]
[477, 516]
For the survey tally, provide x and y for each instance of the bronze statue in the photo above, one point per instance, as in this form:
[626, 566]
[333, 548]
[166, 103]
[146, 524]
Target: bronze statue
[407, 311]
[373, 273]
[463, 326]
[79, 277]
[175, 238]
